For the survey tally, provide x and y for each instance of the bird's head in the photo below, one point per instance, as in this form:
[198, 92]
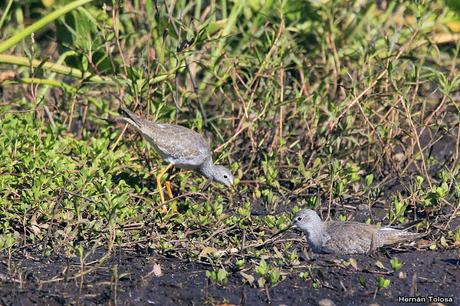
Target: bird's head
[306, 220]
[222, 175]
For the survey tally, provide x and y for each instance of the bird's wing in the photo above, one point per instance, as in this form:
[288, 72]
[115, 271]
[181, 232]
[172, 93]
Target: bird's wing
[177, 144]
[390, 235]
[350, 237]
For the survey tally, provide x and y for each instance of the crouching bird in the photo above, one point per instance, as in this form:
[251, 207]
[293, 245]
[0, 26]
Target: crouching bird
[347, 237]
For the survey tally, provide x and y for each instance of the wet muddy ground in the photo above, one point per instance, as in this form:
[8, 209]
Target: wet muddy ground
[135, 278]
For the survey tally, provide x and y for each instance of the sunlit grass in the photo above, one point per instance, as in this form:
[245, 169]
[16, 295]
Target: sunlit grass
[327, 105]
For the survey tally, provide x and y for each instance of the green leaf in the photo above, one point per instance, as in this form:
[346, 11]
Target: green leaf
[262, 268]
[383, 283]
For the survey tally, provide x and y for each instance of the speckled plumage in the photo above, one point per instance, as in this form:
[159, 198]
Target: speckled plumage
[180, 146]
[347, 237]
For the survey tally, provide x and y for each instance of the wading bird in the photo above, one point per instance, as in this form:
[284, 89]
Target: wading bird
[180, 147]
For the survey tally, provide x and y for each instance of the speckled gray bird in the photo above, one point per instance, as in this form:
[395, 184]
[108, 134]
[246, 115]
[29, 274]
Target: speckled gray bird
[347, 237]
[179, 146]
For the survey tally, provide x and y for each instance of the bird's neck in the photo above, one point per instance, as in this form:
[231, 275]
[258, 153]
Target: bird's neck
[316, 234]
[207, 168]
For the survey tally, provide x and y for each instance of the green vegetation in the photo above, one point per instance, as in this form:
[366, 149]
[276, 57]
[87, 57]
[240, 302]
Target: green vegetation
[396, 264]
[220, 276]
[344, 105]
[383, 283]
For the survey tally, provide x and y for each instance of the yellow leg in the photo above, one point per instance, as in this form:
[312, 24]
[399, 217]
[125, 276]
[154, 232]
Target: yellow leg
[168, 189]
[159, 176]
[172, 206]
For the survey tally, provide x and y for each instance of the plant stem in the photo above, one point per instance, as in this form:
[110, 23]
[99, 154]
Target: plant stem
[5, 13]
[61, 69]
[53, 83]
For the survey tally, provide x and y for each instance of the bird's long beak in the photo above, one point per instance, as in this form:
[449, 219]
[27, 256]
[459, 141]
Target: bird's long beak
[282, 231]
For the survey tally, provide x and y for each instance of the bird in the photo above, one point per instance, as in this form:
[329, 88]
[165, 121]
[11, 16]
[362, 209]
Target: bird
[348, 237]
[178, 146]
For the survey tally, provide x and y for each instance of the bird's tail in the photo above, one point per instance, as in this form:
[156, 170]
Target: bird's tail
[392, 236]
[131, 117]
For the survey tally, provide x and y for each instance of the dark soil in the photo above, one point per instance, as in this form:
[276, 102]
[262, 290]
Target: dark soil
[185, 283]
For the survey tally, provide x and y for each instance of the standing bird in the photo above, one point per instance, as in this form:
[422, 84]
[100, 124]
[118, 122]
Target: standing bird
[179, 146]
[347, 237]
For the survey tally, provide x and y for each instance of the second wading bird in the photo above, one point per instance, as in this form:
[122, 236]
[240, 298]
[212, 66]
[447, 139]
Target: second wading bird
[179, 146]
[347, 237]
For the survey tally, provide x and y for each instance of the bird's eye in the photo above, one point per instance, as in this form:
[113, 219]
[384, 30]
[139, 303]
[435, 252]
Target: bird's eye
[225, 176]
[299, 218]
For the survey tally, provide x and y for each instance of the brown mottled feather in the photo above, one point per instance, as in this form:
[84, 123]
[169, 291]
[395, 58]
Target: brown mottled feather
[392, 236]
[355, 237]
[351, 237]
[176, 144]
[347, 237]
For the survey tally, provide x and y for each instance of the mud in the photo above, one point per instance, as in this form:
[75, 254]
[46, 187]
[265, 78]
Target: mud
[137, 278]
